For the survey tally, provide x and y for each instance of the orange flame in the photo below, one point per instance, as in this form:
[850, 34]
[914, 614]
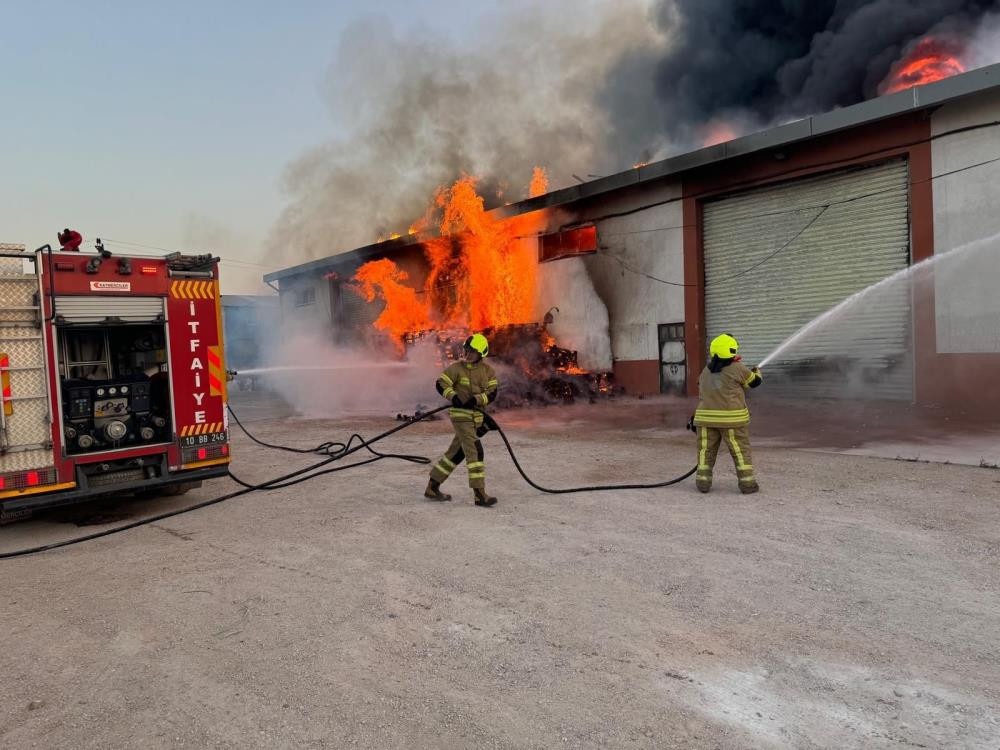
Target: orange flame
[932, 59]
[482, 269]
[403, 310]
[539, 183]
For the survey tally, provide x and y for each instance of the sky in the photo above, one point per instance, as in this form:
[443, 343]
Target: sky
[170, 125]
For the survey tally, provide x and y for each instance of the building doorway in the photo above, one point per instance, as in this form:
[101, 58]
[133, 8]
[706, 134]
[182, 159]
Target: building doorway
[673, 359]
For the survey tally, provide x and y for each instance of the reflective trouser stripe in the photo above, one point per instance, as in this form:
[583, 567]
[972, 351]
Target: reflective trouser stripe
[741, 464]
[736, 417]
[443, 469]
[737, 441]
[703, 451]
[708, 447]
[744, 470]
[464, 446]
[477, 469]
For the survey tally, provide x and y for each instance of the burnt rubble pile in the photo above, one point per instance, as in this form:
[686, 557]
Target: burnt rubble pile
[533, 369]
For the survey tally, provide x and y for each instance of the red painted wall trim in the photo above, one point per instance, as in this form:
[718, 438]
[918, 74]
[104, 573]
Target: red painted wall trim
[638, 376]
[922, 248]
[694, 293]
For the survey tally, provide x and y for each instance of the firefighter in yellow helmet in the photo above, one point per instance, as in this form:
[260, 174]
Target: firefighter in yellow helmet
[722, 414]
[468, 384]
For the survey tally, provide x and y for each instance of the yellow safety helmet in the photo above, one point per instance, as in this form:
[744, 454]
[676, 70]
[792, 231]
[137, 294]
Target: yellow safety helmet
[478, 343]
[724, 346]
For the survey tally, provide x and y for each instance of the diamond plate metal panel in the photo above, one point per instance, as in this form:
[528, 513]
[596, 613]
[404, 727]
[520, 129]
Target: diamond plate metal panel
[30, 423]
[14, 266]
[23, 346]
[27, 383]
[24, 460]
[17, 292]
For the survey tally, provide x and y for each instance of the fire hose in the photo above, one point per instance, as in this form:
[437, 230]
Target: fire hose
[333, 451]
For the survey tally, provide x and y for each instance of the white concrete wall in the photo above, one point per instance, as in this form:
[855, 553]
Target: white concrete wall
[966, 209]
[313, 318]
[650, 241]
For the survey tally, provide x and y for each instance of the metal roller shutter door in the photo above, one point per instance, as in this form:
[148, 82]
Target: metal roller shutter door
[355, 313]
[97, 309]
[862, 237]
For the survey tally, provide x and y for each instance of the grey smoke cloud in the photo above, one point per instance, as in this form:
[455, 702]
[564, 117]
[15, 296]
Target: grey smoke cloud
[417, 111]
[581, 87]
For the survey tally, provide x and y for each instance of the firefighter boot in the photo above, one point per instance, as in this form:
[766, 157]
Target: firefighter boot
[433, 491]
[483, 499]
[748, 488]
[703, 483]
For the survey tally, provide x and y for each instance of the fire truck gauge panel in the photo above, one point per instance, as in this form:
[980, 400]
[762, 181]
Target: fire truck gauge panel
[102, 415]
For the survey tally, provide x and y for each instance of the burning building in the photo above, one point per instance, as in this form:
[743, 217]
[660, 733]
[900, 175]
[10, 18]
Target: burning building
[753, 235]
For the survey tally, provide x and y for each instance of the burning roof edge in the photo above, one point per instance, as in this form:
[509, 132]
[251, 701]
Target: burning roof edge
[883, 107]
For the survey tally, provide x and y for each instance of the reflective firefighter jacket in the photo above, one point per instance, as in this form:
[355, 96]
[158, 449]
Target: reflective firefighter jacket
[722, 396]
[467, 381]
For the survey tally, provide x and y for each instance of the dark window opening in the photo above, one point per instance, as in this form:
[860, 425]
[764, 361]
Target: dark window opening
[306, 296]
[568, 243]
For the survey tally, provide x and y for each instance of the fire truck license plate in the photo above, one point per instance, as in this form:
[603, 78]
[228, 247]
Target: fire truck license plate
[213, 437]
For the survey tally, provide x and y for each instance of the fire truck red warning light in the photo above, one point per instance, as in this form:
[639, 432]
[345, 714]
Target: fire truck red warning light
[932, 59]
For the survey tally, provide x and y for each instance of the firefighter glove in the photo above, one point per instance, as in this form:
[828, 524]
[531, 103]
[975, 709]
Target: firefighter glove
[690, 425]
[457, 402]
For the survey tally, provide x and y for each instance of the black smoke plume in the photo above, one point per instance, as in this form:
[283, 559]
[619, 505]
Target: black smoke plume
[754, 62]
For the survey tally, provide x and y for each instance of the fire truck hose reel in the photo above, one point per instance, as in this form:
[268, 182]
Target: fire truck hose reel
[115, 430]
[333, 451]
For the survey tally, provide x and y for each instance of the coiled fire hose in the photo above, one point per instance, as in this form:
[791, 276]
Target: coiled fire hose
[333, 451]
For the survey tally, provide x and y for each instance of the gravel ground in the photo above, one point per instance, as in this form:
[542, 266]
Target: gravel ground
[853, 603]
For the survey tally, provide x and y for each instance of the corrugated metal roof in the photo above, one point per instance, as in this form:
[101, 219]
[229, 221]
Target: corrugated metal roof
[883, 107]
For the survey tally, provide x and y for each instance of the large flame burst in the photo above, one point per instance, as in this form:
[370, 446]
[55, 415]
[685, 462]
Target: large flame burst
[482, 269]
[931, 59]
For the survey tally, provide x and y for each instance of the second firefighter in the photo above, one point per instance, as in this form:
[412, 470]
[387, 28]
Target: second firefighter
[722, 415]
[470, 385]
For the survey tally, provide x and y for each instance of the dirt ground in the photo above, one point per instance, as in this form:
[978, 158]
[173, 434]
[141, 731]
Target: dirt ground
[854, 602]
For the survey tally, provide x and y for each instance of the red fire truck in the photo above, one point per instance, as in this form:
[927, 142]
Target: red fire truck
[113, 376]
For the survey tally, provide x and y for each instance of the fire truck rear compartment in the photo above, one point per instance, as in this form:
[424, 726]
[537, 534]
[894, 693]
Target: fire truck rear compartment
[115, 388]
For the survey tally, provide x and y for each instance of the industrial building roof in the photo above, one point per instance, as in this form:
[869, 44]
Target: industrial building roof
[911, 100]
